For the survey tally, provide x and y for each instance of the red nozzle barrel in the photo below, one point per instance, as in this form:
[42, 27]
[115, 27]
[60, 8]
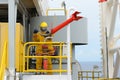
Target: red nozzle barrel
[57, 28]
[101, 1]
[62, 25]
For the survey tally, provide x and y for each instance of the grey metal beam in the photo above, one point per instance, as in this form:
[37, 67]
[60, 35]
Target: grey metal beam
[12, 13]
[22, 9]
[3, 1]
[113, 19]
[117, 65]
[24, 26]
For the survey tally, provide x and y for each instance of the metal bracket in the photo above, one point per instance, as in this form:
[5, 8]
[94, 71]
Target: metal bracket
[11, 72]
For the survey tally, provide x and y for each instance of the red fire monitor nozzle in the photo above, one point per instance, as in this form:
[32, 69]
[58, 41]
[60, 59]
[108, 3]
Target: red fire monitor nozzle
[101, 1]
[74, 17]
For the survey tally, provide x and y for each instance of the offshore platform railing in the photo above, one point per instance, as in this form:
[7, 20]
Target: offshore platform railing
[89, 75]
[92, 75]
[109, 79]
[27, 56]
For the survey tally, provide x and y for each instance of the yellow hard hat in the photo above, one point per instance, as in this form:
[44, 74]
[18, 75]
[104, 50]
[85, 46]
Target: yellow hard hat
[43, 25]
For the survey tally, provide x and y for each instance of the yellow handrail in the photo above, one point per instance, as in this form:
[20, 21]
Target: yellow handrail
[109, 79]
[26, 56]
[3, 62]
[93, 75]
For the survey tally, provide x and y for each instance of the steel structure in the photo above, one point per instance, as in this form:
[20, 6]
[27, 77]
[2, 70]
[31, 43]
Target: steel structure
[13, 7]
[21, 9]
[108, 20]
[108, 15]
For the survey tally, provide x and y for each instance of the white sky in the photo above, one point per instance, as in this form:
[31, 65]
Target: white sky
[90, 9]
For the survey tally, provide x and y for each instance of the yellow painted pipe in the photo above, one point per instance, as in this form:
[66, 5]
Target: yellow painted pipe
[45, 70]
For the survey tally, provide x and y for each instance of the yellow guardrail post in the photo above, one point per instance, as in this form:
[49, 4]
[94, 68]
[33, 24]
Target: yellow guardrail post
[28, 58]
[87, 75]
[92, 75]
[60, 58]
[3, 63]
[24, 47]
[82, 75]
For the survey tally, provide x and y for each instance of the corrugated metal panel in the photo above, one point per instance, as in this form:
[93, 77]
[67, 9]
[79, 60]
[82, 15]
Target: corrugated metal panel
[19, 38]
